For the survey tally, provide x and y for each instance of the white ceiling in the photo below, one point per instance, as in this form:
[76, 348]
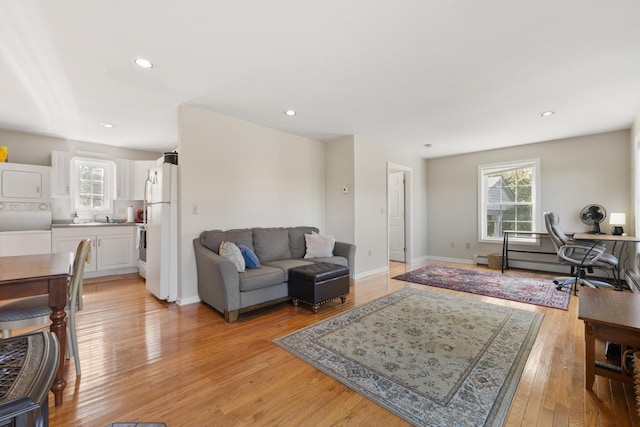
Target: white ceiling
[462, 75]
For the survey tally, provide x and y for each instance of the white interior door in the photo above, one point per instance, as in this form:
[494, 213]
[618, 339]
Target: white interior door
[396, 217]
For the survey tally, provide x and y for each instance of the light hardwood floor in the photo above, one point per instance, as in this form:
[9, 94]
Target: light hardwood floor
[145, 360]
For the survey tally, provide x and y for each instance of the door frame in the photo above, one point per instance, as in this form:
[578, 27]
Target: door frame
[394, 167]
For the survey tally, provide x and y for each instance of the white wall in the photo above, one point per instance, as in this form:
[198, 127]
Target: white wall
[635, 128]
[340, 207]
[371, 159]
[575, 172]
[635, 185]
[35, 149]
[240, 174]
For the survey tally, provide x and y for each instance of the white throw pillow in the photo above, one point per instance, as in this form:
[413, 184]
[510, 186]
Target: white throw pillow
[319, 246]
[231, 251]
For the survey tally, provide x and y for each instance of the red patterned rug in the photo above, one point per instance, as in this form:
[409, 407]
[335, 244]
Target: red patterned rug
[522, 289]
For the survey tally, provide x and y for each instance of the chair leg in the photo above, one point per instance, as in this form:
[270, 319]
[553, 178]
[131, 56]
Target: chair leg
[572, 282]
[73, 338]
[599, 284]
[6, 333]
[617, 278]
[69, 351]
[579, 278]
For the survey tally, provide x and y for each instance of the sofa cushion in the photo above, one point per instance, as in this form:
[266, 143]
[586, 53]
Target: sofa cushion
[271, 244]
[231, 251]
[297, 244]
[319, 246]
[264, 277]
[250, 258]
[288, 264]
[211, 239]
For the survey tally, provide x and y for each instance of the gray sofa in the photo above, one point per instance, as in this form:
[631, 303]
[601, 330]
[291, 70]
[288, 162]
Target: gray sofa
[221, 286]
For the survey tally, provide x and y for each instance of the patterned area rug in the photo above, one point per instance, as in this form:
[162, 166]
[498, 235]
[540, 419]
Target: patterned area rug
[432, 359]
[523, 289]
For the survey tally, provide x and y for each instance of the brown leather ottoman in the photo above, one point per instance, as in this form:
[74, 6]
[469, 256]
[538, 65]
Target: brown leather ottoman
[318, 283]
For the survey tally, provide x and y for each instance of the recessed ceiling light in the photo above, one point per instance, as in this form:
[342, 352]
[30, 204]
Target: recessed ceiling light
[143, 63]
[106, 125]
[290, 113]
[547, 113]
[427, 145]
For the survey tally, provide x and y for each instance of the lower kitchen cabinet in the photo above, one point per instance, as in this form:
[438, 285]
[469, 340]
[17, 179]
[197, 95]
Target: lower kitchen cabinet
[112, 246]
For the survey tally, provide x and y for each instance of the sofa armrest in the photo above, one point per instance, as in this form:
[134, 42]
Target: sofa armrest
[348, 251]
[218, 280]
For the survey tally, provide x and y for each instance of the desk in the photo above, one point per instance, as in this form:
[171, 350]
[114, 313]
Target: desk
[525, 234]
[608, 316]
[604, 238]
[29, 275]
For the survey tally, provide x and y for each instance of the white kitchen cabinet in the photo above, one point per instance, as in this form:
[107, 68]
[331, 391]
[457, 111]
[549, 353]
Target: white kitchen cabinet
[112, 246]
[124, 179]
[140, 174]
[116, 251]
[68, 242]
[60, 174]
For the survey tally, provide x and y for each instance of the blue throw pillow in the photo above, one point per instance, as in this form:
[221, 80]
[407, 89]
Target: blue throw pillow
[250, 258]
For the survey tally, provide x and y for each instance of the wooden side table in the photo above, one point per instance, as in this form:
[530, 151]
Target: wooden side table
[608, 316]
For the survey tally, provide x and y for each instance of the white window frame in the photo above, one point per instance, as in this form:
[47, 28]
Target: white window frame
[108, 185]
[483, 172]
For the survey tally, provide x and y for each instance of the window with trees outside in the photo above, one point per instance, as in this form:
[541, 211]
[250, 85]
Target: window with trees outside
[508, 199]
[92, 185]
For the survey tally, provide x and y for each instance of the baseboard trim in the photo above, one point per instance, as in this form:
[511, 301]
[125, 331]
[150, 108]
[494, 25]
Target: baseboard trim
[371, 272]
[529, 264]
[187, 301]
[110, 272]
[454, 260]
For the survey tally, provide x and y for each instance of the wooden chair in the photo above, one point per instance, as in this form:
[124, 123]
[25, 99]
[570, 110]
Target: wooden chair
[28, 364]
[34, 311]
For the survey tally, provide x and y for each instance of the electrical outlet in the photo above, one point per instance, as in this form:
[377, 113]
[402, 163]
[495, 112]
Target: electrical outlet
[467, 245]
[369, 253]
[194, 209]
[453, 245]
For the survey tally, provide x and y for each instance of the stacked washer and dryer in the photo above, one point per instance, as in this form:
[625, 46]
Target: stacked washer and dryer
[25, 209]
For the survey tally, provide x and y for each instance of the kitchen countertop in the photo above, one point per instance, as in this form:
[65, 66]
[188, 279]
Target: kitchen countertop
[95, 224]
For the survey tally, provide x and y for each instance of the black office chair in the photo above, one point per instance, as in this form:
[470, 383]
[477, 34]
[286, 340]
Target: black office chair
[582, 256]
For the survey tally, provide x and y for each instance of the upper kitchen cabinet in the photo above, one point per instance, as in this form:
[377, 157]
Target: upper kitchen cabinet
[60, 174]
[130, 176]
[140, 175]
[124, 178]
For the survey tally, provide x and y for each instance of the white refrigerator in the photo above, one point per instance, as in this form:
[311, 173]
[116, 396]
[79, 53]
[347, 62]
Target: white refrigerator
[162, 231]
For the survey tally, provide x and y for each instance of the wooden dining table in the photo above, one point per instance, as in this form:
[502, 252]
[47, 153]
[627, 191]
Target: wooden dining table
[30, 275]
